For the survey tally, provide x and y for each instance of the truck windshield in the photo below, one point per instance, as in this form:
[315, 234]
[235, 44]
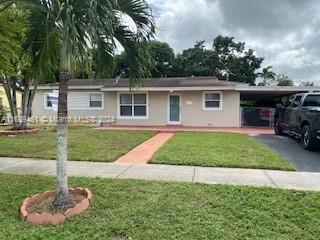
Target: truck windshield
[312, 101]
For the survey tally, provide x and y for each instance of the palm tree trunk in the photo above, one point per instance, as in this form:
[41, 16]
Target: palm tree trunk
[62, 194]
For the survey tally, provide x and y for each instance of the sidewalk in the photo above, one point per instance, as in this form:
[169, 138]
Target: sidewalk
[250, 177]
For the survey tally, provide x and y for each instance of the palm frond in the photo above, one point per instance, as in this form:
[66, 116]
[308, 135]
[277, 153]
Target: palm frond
[42, 44]
[139, 59]
[140, 13]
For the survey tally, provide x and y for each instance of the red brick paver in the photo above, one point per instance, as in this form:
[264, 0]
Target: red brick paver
[250, 131]
[144, 152]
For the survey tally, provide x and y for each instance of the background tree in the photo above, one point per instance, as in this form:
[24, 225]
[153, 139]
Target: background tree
[268, 76]
[284, 80]
[228, 60]
[307, 84]
[161, 56]
[192, 61]
[234, 62]
[73, 31]
[16, 73]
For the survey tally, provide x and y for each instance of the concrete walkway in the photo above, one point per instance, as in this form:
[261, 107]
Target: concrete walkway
[250, 177]
[144, 152]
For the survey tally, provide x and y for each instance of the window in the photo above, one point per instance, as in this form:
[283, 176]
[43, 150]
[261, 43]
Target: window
[312, 101]
[95, 100]
[77, 101]
[212, 101]
[133, 105]
[50, 101]
[296, 101]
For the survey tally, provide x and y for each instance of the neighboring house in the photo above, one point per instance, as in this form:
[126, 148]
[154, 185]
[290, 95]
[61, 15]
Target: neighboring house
[191, 101]
[4, 100]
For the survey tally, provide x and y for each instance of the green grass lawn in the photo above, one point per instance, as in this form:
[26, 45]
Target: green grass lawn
[127, 209]
[219, 150]
[85, 143]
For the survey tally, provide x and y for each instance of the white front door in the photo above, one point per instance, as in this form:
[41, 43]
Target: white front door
[174, 109]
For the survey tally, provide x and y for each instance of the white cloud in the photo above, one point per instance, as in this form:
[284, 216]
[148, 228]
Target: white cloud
[182, 22]
[284, 32]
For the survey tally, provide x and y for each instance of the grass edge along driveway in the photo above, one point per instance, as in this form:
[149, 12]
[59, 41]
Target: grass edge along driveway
[219, 150]
[84, 144]
[129, 209]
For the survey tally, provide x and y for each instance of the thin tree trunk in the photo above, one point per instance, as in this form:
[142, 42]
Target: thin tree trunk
[31, 97]
[13, 107]
[62, 195]
[18, 121]
[27, 99]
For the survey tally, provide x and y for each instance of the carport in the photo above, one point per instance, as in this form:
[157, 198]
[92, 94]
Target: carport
[259, 102]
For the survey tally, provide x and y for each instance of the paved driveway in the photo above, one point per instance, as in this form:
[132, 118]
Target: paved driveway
[291, 150]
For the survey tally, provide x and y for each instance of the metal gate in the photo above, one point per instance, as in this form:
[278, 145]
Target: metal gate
[257, 117]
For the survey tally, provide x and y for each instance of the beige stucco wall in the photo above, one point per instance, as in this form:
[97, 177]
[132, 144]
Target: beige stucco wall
[192, 113]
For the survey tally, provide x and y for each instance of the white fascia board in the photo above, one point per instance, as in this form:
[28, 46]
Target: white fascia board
[276, 89]
[70, 87]
[168, 89]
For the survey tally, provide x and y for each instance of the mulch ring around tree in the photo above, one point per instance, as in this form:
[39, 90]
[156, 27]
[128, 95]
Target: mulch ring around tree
[38, 209]
[12, 132]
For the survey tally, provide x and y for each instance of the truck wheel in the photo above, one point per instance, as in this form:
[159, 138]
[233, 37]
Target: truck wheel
[307, 141]
[277, 128]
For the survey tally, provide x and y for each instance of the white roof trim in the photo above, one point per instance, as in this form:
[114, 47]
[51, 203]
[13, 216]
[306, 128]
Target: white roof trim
[238, 87]
[276, 89]
[168, 89]
[70, 87]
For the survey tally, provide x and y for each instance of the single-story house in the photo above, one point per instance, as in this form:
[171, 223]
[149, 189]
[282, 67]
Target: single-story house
[187, 101]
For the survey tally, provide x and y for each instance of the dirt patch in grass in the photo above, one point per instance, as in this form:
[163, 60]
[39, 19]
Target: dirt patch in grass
[45, 205]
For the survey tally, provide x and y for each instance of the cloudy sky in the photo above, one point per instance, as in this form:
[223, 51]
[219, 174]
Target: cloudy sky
[285, 32]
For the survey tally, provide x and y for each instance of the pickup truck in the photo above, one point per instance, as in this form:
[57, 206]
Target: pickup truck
[300, 118]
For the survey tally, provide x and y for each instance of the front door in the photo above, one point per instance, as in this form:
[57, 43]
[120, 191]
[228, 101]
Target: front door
[174, 111]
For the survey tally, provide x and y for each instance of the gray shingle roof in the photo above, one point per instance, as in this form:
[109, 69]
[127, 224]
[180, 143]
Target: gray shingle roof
[152, 82]
[173, 82]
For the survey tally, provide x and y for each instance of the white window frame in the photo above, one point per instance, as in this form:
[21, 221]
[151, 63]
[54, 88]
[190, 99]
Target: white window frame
[132, 96]
[46, 94]
[220, 108]
[102, 101]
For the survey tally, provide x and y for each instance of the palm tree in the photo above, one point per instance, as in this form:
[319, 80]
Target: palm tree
[267, 75]
[67, 32]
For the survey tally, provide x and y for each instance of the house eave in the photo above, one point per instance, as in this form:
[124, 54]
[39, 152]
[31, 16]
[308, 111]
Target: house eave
[70, 87]
[276, 89]
[168, 89]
